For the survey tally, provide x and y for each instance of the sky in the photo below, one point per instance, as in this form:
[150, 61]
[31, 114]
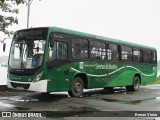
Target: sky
[136, 21]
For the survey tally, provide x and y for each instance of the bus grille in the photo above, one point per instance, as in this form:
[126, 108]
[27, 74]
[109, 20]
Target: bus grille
[16, 85]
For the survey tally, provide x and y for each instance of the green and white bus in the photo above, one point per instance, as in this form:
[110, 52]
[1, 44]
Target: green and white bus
[51, 59]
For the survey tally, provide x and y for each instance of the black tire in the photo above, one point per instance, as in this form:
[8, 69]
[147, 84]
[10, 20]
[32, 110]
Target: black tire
[77, 88]
[109, 89]
[135, 86]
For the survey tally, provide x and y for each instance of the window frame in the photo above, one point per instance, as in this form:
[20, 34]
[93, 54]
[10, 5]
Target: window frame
[55, 40]
[100, 52]
[117, 53]
[58, 50]
[140, 55]
[80, 48]
[145, 54]
[104, 51]
[126, 54]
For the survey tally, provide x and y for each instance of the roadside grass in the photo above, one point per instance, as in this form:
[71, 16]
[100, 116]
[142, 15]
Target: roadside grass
[155, 82]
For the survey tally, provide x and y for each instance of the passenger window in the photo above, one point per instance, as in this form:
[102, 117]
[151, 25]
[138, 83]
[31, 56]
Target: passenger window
[112, 52]
[126, 54]
[98, 50]
[146, 56]
[79, 48]
[136, 55]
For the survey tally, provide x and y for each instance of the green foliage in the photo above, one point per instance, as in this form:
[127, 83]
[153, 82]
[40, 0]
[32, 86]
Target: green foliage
[7, 14]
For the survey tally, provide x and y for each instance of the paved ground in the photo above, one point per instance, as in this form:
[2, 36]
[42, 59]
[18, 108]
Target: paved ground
[94, 104]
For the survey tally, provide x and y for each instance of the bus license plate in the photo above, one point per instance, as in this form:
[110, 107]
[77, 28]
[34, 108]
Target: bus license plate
[20, 88]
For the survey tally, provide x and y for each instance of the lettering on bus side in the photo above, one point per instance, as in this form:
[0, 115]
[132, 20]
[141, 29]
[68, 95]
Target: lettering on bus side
[100, 66]
[107, 66]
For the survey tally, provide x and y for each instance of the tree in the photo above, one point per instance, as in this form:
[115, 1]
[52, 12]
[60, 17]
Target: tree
[8, 14]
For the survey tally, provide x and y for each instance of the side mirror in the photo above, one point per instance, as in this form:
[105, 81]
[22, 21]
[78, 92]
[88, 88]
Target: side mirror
[51, 42]
[4, 47]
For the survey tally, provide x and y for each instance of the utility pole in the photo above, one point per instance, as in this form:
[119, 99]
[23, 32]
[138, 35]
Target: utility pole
[28, 13]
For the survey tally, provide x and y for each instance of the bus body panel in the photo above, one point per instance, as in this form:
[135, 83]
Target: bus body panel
[62, 77]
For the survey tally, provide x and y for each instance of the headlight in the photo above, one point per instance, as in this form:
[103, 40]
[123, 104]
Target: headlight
[38, 77]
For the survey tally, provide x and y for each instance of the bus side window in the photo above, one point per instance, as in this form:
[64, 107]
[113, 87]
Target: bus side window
[154, 60]
[112, 52]
[98, 50]
[58, 51]
[126, 54]
[136, 55]
[61, 50]
[79, 48]
[146, 56]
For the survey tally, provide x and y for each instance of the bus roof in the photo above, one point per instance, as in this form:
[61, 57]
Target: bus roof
[92, 36]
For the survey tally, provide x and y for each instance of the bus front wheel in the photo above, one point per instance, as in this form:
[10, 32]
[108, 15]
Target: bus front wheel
[77, 87]
[135, 86]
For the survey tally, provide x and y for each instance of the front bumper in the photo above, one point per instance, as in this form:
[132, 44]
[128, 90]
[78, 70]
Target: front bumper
[40, 86]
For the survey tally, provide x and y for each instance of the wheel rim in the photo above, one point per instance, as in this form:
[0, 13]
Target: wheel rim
[136, 84]
[77, 87]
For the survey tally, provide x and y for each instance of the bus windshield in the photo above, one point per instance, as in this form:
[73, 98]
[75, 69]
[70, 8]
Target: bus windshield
[27, 50]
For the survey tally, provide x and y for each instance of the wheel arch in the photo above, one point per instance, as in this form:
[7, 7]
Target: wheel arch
[84, 77]
[135, 85]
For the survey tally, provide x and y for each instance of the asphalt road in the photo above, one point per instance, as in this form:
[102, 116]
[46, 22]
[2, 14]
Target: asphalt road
[94, 104]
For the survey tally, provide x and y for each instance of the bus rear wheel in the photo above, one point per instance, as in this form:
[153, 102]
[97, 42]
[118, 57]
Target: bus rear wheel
[135, 86]
[77, 87]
